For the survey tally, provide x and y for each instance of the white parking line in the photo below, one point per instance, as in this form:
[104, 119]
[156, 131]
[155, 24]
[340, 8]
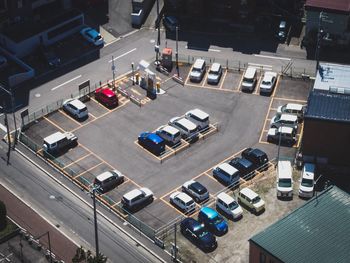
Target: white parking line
[2, 127]
[272, 57]
[66, 82]
[204, 49]
[122, 55]
[214, 50]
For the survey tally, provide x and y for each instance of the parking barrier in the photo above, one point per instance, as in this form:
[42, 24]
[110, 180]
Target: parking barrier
[178, 79]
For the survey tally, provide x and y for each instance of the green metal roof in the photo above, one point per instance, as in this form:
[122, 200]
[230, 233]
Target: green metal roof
[318, 231]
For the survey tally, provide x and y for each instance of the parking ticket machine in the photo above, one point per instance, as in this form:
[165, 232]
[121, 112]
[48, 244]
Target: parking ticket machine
[167, 58]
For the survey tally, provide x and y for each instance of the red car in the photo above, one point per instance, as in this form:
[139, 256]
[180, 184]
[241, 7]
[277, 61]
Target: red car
[107, 97]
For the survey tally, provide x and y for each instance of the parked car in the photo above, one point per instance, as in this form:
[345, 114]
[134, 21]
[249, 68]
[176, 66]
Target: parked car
[107, 97]
[76, 108]
[287, 135]
[50, 56]
[229, 206]
[198, 234]
[169, 134]
[199, 118]
[183, 201]
[307, 181]
[251, 200]
[282, 31]
[285, 120]
[292, 108]
[92, 36]
[257, 157]
[188, 129]
[152, 142]
[226, 174]
[249, 80]
[268, 83]
[198, 70]
[244, 166]
[214, 74]
[170, 23]
[3, 62]
[108, 180]
[196, 190]
[284, 179]
[213, 221]
[137, 198]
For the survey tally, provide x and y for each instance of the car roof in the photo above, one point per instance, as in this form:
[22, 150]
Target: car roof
[248, 192]
[57, 136]
[103, 176]
[187, 123]
[108, 92]
[257, 152]
[227, 168]
[289, 117]
[244, 162]
[93, 32]
[215, 67]
[250, 72]
[285, 129]
[211, 213]
[198, 63]
[268, 75]
[199, 113]
[198, 186]
[226, 198]
[154, 137]
[184, 197]
[78, 104]
[284, 169]
[282, 24]
[133, 193]
[170, 129]
[294, 106]
[309, 171]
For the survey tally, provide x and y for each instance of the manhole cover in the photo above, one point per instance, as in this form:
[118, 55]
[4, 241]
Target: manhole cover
[37, 95]
[52, 197]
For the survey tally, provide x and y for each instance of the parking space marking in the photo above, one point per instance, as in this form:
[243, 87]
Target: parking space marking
[54, 124]
[257, 89]
[173, 207]
[81, 158]
[67, 115]
[92, 115]
[266, 117]
[300, 135]
[276, 86]
[145, 100]
[240, 83]
[166, 80]
[78, 175]
[188, 75]
[211, 88]
[223, 79]
[122, 55]
[64, 83]
[136, 92]
[286, 99]
[205, 79]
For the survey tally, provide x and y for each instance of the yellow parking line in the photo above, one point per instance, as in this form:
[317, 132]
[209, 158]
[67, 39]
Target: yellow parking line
[223, 79]
[211, 88]
[77, 160]
[240, 83]
[274, 109]
[286, 99]
[173, 207]
[135, 91]
[54, 124]
[69, 117]
[188, 75]
[276, 86]
[267, 115]
[78, 175]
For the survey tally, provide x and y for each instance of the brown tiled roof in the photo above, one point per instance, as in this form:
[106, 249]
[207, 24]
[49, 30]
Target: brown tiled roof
[339, 5]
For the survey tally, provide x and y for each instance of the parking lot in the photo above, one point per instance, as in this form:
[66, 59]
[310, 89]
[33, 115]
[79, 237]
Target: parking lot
[107, 138]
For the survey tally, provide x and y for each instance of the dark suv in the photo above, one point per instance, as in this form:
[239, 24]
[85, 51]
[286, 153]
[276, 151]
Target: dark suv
[244, 166]
[257, 157]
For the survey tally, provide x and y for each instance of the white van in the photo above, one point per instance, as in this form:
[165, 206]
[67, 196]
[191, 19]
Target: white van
[226, 174]
[136, 198]
[307, 182]
[251, 200]
[284, 179]
[292, 108]
[214, 74]
[171, 135]
[188, 129]
[198, 70]
[249, 79]
[58, 141]
[285, 120]
[199, 118]
[229, 205]
[108, 180]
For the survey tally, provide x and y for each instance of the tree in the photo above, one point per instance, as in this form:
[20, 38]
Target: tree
[86, 256]
[3, 213]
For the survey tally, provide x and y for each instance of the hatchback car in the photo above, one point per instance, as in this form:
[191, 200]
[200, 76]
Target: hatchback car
[229, 206]
[108, 180]
[251, 200]
[307, 182]
[244, 166]
[92, 36]
[284, 179]
[292, 108]
[214, 74]
[284, 120]
[287, 135]
[137, 198]
[170, 23]
[213, 221]
[256, 156]
[198, 234]
[107, 97]
[169, 134]
[188, 129]
[268, 83]
[249, 80]
[227, 174]
[196, 190]
[75, 108]
[282, 31]
[198, 70]
[152, 142]
[198, 117]
[183, 201]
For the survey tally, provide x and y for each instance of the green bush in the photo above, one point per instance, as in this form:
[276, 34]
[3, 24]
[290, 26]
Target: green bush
[3, 213]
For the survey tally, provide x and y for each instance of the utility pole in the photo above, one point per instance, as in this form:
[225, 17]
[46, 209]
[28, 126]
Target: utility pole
[319, 38]
[113, 71]
[156, 48]
[95, 220]
[177, 52]
[48, 237]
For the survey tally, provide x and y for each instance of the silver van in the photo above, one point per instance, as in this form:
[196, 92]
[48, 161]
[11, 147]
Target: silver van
[188, 129]
[198, 70]
[108, 180]
[226, 174]
[249, 79]
[214, 74]
[198, 117]
[169, 134]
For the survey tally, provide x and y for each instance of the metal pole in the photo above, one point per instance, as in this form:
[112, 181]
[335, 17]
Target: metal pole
[113, 70]
[48, 236]
[279, 145]
[177, 52]
[319, 36]
[14, 119]
[95, 221]
[158, 35]
[133, 76]
[175, 249]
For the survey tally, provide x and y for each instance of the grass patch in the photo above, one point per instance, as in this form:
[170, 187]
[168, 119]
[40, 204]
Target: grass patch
[10, 227]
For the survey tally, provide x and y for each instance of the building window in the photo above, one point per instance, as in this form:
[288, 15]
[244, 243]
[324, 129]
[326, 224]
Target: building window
[262, 258]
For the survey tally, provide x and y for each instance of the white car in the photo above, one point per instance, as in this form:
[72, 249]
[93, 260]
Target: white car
[284, 179]
[307, 182]
[286, 134]
[214, 74]
[268, 83]
[137, 197]
[196, 190]
[229, 205]
[198, 117]
[284, 120]
[187, 128]
[292, 108]
[169, 134]
[182, 201]
[76, 108]
[92, 36]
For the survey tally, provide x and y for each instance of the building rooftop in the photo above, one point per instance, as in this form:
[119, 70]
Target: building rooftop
[328, 106]
[337, 5]
[318, 231]
[333, 77]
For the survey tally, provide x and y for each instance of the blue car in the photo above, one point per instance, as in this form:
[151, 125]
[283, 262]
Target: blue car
[152, 142]
[213, 221]
[198, 234]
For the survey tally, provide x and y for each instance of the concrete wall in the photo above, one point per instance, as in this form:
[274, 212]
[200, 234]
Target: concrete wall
[257, 255]
[326, 141]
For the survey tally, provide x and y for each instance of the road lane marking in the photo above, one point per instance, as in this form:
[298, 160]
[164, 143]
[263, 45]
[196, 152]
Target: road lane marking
[122, 55]
[64, 83]
[272, 57]
[135, 91]
[214, 50]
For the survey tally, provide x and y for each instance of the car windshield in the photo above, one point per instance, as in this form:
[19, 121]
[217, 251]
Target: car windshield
[283, 108]
[189, 203]
[97, 38]
[284, 183]
[248, 80]
[217, 220]
[233, 205]
[256, 200]
[213, 72]
[307, 182]
[202, 232]
[266, 82]
[196, 70]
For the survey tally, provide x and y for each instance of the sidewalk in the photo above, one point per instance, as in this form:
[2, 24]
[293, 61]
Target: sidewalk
[28, 219]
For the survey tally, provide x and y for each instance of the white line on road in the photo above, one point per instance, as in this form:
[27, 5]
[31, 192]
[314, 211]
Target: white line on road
[259, 65]
[2, 127]
[66, 82]
[214, 50]
[121, 37]
[122, 55]
[272, 57]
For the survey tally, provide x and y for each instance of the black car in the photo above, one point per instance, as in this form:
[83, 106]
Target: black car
[198, 234]
[196, 190]
[257, 157]
[244, 166]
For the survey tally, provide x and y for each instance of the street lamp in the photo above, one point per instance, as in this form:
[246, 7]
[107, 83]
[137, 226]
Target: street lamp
[177, 52]
[113, 70]
[156, 47]
[95, 219]
[48, 237]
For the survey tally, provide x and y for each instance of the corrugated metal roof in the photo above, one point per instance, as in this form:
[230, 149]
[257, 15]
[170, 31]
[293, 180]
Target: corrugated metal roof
[318, 231]
[340, 5]
[328, 106]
